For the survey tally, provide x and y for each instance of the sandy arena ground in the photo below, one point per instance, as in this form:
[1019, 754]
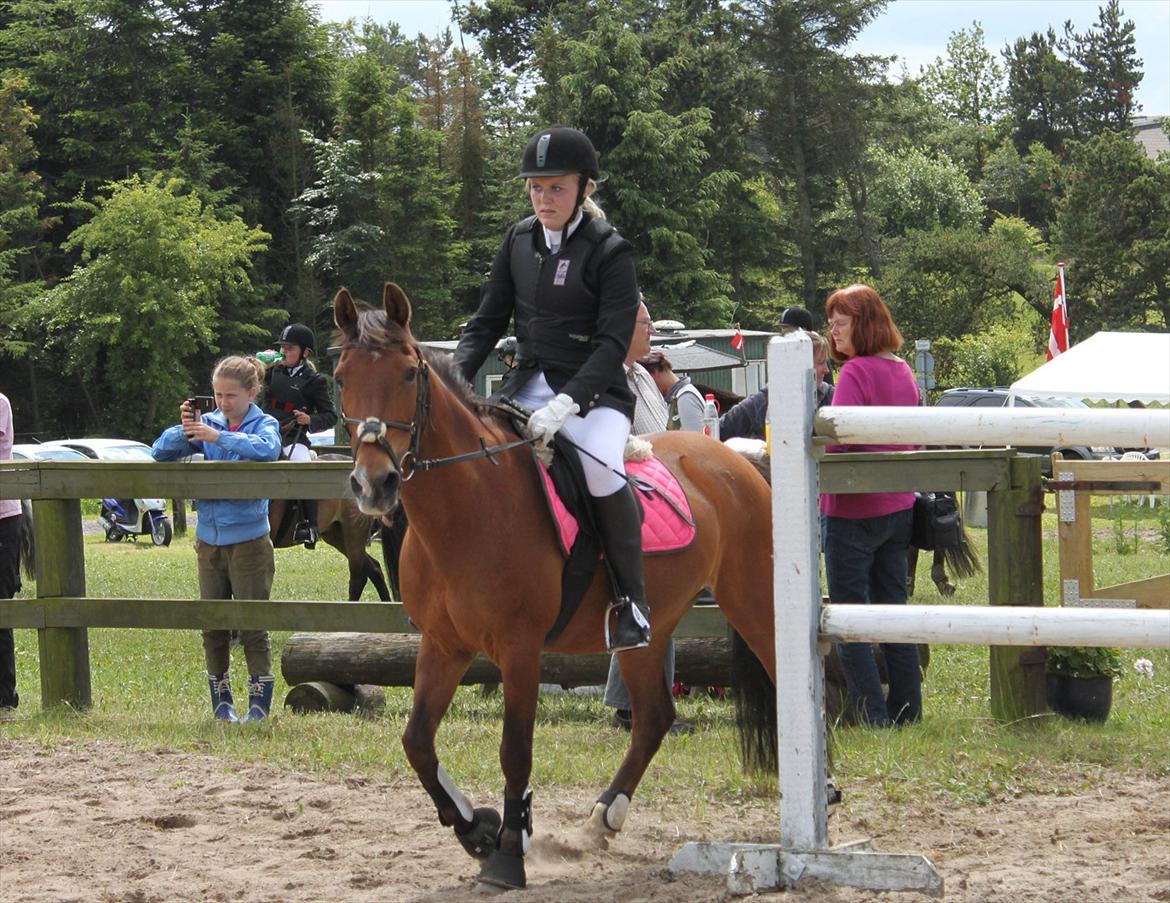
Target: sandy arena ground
[99, 821]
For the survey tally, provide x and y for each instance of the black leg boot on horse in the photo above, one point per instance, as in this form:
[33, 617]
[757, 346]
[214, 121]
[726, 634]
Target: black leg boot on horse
[627, 620]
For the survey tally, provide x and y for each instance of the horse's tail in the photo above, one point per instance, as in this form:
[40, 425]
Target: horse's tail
[755, 709]
[961, 558]
[28, 541]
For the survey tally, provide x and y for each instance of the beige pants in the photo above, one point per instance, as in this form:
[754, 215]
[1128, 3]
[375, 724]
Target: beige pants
[240, 571]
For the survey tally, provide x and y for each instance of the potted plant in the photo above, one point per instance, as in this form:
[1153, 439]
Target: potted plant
[1080, 680]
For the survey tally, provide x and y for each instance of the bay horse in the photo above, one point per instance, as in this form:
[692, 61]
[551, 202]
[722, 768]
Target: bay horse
[341, 525]
[481, 567]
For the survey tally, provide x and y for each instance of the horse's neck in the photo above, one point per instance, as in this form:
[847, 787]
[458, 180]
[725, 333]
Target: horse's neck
[456, 499]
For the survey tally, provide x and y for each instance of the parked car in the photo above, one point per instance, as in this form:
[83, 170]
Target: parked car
[323, 437]
[997, 397]
[108, 449]
[46, 451]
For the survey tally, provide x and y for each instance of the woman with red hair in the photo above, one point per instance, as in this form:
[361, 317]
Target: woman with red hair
[866, 535]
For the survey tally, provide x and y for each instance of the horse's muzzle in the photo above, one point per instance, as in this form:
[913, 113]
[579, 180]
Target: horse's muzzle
[376, 495]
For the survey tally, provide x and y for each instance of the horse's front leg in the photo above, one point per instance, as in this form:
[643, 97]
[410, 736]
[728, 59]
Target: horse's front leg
[521, 678]
[436, 677]
[653, 713]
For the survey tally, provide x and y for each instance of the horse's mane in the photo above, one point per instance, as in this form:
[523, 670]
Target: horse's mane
[375, 332]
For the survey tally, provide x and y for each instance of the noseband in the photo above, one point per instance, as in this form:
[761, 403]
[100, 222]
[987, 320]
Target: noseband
[372, 430]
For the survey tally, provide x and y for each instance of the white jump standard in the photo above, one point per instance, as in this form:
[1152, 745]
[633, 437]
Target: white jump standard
[803, 624]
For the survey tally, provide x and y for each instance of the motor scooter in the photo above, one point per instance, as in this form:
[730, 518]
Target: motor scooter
[122, 518]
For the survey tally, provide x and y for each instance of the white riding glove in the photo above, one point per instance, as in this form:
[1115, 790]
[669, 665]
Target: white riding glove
[546, 422]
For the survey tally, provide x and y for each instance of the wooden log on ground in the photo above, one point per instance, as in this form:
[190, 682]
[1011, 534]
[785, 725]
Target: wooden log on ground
[319, 696]
[387, 659]
[323, 696]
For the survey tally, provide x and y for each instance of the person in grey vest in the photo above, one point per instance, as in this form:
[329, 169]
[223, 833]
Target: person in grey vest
[568, 281]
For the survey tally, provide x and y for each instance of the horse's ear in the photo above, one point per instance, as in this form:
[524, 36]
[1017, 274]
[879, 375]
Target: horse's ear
[397, 305]
[345, 312]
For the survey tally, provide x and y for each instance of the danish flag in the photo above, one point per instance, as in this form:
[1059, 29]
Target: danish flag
[737, 340]
[1058, 333]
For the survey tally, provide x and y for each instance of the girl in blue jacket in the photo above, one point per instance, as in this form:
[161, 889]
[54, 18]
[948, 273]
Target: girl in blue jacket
[231, 539]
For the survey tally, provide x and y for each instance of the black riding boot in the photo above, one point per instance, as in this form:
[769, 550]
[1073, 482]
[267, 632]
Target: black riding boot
[306, 529]
[620, 522]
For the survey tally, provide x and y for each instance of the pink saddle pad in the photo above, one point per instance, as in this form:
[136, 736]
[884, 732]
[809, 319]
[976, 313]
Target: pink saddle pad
[668, 525]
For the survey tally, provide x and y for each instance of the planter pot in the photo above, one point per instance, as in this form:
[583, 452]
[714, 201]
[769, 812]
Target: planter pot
[1087, 698]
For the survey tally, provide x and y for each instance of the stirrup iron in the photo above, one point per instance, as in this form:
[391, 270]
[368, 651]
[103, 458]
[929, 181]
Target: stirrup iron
[641, 625]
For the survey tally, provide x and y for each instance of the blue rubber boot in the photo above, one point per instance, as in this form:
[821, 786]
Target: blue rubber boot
[259, 697]
[222, 704]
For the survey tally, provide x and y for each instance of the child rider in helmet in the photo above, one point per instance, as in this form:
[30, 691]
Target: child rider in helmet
[298, 397]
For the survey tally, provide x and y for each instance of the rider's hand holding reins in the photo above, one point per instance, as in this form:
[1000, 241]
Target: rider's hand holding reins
[546, 422]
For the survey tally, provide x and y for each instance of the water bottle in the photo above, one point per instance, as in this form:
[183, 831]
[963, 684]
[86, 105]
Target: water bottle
[710, 418]
[268, 358]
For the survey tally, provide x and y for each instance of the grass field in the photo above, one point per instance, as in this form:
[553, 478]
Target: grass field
[149, 690]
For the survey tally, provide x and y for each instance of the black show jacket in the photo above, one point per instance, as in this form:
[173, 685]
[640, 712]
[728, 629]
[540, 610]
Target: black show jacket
[574, 313]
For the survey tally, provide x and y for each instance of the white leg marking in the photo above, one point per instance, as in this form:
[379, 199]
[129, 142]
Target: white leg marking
[460, 798]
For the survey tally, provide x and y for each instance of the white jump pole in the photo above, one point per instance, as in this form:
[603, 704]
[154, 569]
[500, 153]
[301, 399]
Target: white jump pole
[1125, 428]
[1002, 625]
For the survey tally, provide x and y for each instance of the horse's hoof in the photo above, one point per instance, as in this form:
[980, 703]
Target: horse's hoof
[607, 819]
[503, 870]
[947, 590]
[480, 839]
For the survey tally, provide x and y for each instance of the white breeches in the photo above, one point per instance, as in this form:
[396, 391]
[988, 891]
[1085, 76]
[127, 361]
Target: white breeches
[601, 433]
[297, 452]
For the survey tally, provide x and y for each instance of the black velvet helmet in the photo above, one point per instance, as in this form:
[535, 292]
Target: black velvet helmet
[557, 151]
[297, 334]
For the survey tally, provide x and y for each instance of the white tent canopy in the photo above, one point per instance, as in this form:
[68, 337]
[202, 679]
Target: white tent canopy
[1109, 366]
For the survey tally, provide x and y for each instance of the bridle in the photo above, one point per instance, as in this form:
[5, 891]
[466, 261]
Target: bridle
[372, 430]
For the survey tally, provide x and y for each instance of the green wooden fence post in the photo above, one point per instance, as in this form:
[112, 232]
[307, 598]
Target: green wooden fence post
[64, 651]
[1016, 577]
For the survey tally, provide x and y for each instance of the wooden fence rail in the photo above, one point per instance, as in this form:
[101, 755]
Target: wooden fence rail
[62, 612]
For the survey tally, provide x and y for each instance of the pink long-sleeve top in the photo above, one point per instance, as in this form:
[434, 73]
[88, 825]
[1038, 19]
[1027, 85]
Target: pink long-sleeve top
[876, 381]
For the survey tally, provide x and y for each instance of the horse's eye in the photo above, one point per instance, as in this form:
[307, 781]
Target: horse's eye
[410, 374]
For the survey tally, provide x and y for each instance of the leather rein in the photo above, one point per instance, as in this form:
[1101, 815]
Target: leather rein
[373, 431]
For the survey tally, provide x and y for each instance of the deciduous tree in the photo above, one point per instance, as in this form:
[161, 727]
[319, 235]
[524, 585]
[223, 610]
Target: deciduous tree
[157, 269]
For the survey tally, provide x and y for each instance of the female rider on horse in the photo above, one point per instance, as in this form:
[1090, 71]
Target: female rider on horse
[569, 280]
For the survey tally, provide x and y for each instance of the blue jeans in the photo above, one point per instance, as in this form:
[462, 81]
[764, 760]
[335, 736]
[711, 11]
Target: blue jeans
[617, 695]
[865, 561]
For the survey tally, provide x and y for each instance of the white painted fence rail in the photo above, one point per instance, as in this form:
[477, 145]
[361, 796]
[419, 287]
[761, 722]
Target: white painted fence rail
[1004, 625]
[1125, 428]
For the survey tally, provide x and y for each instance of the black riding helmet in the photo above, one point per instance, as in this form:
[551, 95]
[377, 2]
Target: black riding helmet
[297, 334]
[557, 151]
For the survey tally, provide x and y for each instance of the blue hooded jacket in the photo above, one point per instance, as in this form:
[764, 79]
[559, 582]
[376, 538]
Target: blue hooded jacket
[224, 522]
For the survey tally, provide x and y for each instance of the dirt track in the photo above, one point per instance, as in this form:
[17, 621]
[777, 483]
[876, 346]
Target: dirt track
[98, 821]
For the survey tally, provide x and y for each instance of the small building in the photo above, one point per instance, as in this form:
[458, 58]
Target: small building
[1148, 132]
